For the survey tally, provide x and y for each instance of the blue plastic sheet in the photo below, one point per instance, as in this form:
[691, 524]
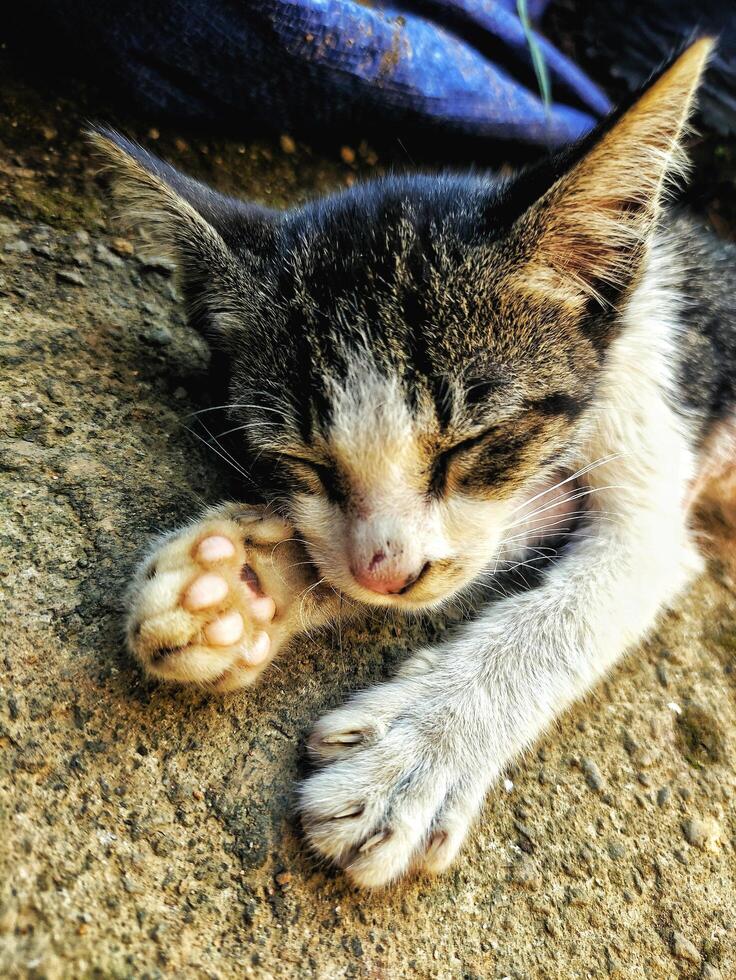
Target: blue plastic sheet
[453, 66]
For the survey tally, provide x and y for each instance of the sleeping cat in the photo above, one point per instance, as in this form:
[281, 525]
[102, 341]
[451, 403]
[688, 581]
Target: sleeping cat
[431, 379]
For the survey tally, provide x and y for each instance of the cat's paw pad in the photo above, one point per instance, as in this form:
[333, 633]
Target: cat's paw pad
[199, 613]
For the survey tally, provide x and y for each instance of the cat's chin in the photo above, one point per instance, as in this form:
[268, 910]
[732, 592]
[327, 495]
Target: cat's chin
[400, 603]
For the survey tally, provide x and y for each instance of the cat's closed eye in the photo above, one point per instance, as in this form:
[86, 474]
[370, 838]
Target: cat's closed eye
[470, 442]
[443, 462]
[320, 472]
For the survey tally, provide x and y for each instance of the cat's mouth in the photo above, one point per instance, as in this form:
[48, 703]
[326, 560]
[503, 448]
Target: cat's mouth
[435, 583]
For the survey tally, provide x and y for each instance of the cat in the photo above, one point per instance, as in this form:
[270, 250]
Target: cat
[431, 379]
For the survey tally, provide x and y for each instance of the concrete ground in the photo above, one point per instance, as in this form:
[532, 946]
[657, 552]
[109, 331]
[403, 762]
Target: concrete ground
[149, 832]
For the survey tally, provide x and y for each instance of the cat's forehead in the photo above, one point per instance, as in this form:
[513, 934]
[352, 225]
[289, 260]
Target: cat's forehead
[389, 216]
[394, 267]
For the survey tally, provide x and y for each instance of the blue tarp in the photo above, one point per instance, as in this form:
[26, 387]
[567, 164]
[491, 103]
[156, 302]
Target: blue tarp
[452, 66]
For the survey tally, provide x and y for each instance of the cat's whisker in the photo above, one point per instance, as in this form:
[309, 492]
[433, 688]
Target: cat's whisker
[515, 566]
[510, 566]
[216, 442]
[216, 408]
[567, 496]
[565, 499]
[303, 599]
[510, 546]
[583, 471]
[537, 550]
[223, 456]
[247, 426]
[493, 585]
[285, 541]
[533, 533]
[300, 564]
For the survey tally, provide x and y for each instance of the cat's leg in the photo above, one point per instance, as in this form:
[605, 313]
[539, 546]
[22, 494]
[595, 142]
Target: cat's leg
[215, 601]
[406, 765]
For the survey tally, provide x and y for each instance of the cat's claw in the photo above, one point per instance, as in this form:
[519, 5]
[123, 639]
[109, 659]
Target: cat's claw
[200, 612]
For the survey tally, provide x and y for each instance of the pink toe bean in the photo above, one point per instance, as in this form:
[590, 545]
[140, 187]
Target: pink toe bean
[215, 548]
[258, 650]
[205, 591]
[225, 630]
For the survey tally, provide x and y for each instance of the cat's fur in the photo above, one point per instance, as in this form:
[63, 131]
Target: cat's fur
[430, 378]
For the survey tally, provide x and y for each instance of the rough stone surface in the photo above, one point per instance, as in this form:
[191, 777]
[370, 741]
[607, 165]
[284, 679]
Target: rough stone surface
[149, 832]
[684, 949]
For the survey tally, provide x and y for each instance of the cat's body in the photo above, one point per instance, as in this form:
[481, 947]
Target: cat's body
[435, 381]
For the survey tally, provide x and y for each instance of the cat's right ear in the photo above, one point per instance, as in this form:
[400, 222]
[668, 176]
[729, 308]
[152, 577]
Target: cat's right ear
[221, 246]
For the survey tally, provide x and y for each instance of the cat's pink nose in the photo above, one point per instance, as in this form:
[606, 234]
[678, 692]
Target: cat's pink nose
[383, 577]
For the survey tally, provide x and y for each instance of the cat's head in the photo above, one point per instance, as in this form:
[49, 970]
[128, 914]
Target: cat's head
[408, 360]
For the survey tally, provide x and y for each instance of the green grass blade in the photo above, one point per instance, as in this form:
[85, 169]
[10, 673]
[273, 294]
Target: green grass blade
[538, 62]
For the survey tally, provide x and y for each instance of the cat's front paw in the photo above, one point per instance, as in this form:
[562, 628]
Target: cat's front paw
[207, 607]
[399, 788]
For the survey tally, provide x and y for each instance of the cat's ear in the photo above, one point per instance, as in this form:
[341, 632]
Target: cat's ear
[586, 237]
[221, 246]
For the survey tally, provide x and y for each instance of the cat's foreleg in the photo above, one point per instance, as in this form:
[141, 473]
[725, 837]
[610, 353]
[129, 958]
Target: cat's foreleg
[215, 601]
[406, 765]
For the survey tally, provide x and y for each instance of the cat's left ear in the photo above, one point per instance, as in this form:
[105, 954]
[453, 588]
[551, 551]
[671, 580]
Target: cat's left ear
[221, 246]
[586, 238]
